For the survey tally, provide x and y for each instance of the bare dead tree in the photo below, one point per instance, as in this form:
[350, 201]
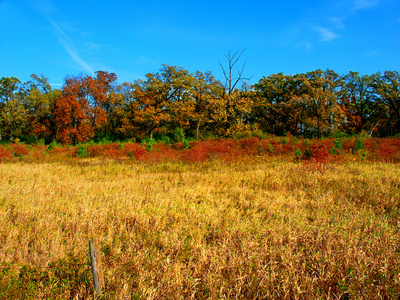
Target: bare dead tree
[231, 79]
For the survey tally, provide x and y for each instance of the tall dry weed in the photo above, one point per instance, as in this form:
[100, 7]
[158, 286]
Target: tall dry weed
[266, 230]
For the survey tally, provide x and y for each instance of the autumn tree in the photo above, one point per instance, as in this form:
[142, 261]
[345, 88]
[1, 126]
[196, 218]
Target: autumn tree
[273, 109]
[208, 112]
[126, 112]
[82, 107]
[152, 104]
[164, 100]
[316, 102]
[106, 103]
[177, 86]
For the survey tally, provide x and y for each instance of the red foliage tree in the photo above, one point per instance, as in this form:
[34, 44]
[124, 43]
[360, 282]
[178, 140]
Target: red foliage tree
[82, 107]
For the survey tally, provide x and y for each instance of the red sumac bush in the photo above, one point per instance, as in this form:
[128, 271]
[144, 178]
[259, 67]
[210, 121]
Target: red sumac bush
[135, 150]
[20, 150]
[4, 154]
[319, 151]
[389, 150]
[250, 146]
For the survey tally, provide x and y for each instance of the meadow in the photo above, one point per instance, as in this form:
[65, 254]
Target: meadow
[221, 226]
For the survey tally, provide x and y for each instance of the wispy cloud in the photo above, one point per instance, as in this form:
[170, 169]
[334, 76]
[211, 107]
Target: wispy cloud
[48, 10]
[337, 22]
[305, 46]
[364, 4]
[326, 34]
[70, 47]
[94, 47]
[371, 54]
[45, 7]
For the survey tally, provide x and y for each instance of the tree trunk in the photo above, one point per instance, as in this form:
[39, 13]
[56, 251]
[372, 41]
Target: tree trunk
[197, 130]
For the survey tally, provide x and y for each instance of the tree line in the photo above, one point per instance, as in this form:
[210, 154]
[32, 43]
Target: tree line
[314, 104]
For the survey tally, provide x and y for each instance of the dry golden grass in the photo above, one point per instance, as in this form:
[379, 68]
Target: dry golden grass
[266, 230]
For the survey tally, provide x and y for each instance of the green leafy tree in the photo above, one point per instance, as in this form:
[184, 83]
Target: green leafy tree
[317, 102]
[387, 90]
[208, 112]
[356, 102]
[127, 110]
[273, 109]
[41, 103]
[13, 113]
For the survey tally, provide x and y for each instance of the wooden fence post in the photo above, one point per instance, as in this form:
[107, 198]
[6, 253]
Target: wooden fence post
[97, 271]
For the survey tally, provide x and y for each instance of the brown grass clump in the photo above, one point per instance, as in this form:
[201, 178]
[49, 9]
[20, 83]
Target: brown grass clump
[266, 230]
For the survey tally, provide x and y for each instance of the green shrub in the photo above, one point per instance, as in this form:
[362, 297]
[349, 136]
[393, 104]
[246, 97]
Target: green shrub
[341, 134]
[338, 144]
[166, 139]
[81, 152]
[179, 135]
[29, 139]
[307, 153]
[334, 151]
[52, 145]
[298, 153]
[359, 145]
[270, 148]
[148, 144]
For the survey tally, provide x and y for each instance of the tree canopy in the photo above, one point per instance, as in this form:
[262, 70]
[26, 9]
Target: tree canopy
[315, 104]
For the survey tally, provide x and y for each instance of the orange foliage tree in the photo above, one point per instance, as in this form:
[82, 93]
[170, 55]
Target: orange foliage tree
[82, 107]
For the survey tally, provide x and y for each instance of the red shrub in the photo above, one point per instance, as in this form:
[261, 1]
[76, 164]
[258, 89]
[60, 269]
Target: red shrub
[4, 154]
[113, 150]
[220, 149]
[319, 151]
[285, 146]
[135, 150]
[389, 149]
[38, 154]
[370, 145]
[270, 147]
[194, 155]
[250, 146]
[94, 150]
[197, 153]
[164, 152]
[178, 146]
[348, 144]
[60, 151]
[20, 150]
[223, 149]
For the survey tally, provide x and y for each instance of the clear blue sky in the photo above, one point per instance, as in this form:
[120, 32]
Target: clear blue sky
[133, 38]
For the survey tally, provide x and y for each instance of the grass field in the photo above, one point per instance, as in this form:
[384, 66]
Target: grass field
[263, 229]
